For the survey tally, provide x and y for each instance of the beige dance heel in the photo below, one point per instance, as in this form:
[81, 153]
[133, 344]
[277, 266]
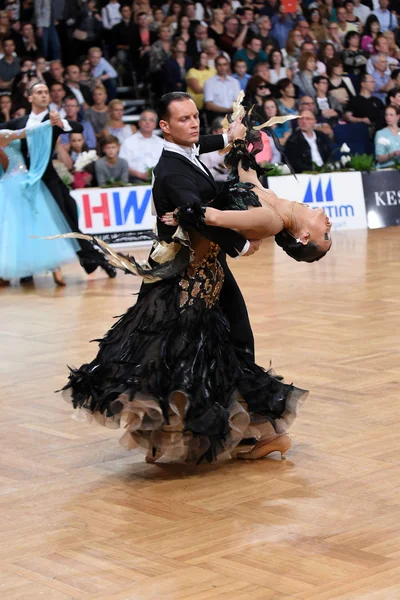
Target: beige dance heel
[280, 444]
[58, 278]
[152, 455]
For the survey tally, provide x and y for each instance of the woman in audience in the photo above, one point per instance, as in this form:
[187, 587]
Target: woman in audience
[85, 73]
[307, 69]
[317, 26]
[115, 125]
[326, 52]
[394, 50]
[292, 51]
[216, 27]
[256, 91]
[5, 108]
[351, 17]
[97, 114]
[183, 30]
[371, 29]
[174, 13]
[328, 11]
[158, 19]
[287, 103]
[196, 78]
[354, 59]
[176, 67]
[340, 86]
[387, 140]
[277, 70]
[270, 110]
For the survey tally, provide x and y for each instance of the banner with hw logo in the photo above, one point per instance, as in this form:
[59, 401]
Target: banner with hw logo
[382, 198]
[340, 195]
[108, 212]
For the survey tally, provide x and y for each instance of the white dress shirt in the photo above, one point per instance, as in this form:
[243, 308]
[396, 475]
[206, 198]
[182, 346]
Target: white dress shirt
[35, 119]
[315, 155]
[142, 153]
[192, 155]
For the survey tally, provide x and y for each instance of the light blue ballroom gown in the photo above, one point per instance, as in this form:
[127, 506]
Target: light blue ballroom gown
[28, 209]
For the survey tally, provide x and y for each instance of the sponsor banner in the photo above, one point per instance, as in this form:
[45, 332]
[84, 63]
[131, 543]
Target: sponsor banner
[382, 198]
[111, 213]
[340, 195]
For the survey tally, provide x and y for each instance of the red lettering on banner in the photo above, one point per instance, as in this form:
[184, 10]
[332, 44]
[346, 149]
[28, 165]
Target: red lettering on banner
[102, 209]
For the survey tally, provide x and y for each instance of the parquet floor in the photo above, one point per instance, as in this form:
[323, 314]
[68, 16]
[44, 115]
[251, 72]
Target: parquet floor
[82, 519]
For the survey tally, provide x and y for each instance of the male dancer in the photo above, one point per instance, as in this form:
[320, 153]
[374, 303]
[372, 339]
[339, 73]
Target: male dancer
[180, 178]
[39, 98]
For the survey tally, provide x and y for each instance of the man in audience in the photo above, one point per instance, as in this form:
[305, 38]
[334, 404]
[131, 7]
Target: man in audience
[308, 103]
[55, 74]
[383, 82]
[111, 168]
[240, 73]
[221, 90]
[57, 95]
[282, 23]
[365, 107]
[102, 70]
[81, 92]
[386, 18]
[143, 149]
[71, 107]
[329, 108]
[306, 147]
[193, 48]
[9, 65]
[252, 53]
[381, 46]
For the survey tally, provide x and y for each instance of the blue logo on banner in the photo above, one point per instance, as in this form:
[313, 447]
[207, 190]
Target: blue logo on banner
[321, 195]
[310, 197]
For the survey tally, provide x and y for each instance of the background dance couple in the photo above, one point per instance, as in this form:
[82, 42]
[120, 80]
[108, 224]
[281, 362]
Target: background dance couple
[178, 369]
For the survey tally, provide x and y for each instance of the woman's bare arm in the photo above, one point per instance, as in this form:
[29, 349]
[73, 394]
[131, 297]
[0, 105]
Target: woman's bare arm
[3, 160]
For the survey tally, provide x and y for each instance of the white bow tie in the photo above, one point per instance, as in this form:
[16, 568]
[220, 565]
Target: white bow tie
[194, 152]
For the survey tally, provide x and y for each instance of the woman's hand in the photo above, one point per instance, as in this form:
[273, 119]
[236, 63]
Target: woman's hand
[236, 131]
[169, 219]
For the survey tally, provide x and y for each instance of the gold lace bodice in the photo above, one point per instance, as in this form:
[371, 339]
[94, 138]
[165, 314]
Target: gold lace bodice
[202, 281]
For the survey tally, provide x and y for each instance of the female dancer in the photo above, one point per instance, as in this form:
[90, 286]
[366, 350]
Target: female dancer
[27, 209]
[169, 370]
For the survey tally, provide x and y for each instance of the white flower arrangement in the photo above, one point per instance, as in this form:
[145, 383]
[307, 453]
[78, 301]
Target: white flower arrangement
[84, 159]
[345, 159]
[63, 172]
[344, 148]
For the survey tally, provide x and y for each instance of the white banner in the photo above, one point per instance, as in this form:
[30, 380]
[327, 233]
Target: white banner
[341, 195]
[109, 212]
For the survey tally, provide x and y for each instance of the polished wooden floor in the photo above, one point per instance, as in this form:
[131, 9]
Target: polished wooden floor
[83, 519]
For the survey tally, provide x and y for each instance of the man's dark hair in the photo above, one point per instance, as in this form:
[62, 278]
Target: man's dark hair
[109, 139]
[34, 85]
[71, 98]
[310, 252]
[167, 99]
[318, 78]
[395, 73]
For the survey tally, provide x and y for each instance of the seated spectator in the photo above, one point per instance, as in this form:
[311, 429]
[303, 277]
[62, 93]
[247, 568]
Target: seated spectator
[183, 29]
[28, 44]
[176, 67]
[395, 77]
[386, 18]
[343, 25]
[71, 107]
[304, 27]
[306, 147]
[276, 68]
[365, 107]
[320, 68]
[282, 131]
[361, 11]
[9, 65]
[370, 33]
[240, 73]
[41, 67]
[328, 108]
[158, 19]
[263, 30]
[326, 52]
[340, 86]
[96, 115]
[351, 17]
[307, 70]
[5, 108]
[308, 103]
[121, 37]
[328, 11]
[210, 48]
[394, 50]
[392, 99]
[292, 50]
[73, 82]
[213, 160]
[381, 46]
[257, 91]
[232, 39]
[141, 43]
[143, 149]
[103, 71]
[221, 90]
[317, 26]
[194, 46]
[175, 11]
[111, 169]
[282, 23]
[57, 95]
[334, 36]
[115, 125]
[77, 145]
[55, 74]
[387, 140]
[287, 102]
[252, 53]
[216, 27]
[383, 82]
[88, 28]
[354, 59]
[196, 78]
[159, 53]
[86, 77]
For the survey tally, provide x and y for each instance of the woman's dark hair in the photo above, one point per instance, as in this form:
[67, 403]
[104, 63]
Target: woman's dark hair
[310, 252]
[271, 65]
[270, 99]
[391, 94]
[348, 37]
[167, 99]
[171, 12]
[253, 83]
[393, 107]
[303, 60]
[284, 83]
[367, 27]
[331, 64]
[178, 32]
[196, 62]
[322, 48]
